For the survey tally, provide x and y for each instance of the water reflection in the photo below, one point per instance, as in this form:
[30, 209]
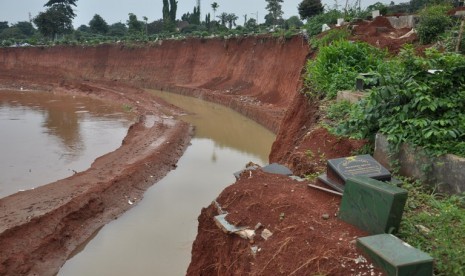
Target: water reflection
[45, 137]
[222, 125]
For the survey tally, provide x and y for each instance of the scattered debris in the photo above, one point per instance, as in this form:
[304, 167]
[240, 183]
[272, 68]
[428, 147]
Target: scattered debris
[360, 259]
[249, 167]
[423, 230]
[325, 216]
[246, 234]
[255, 250]
[224, 225]
[277, 169]
[130, 202]
[266, 234]
[297, 178]
[218, 208]
[324, 189]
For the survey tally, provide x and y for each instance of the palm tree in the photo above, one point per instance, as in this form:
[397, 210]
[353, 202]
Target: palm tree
[215, 6]
[145, 19]
[231, 19]
[223, 17]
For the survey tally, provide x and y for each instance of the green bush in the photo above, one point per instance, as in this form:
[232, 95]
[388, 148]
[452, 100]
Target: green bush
[329, 37]
[412, 105]
[314, 23]
[435, 224]
[434, 21]
[337, 65]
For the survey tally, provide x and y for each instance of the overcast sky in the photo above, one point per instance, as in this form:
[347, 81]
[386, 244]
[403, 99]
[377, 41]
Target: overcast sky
[117, 10]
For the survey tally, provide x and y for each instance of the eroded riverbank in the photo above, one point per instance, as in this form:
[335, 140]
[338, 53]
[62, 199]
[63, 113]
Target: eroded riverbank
[41, 227]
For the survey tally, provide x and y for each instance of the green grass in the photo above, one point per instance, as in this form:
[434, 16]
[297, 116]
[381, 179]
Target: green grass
[435, 223]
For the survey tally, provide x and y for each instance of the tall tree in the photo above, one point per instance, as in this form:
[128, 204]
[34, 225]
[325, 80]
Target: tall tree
[98, 25]
[26, 27]
[231, 19]
[146, 22]
[274, 8]
[117, 29]
[223, 17]
[3, 25]
[134, 26]
[169, 14]
[66, 4]
[215, 7]
[57, 19]
[309, 8]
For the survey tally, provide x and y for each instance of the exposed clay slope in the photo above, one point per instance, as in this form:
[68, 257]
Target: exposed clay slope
[303, 145]
[307, 239]
[257, 76]
[40, 228]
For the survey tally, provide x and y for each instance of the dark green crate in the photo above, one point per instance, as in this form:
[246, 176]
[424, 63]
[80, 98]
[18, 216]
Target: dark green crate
[396, 257]
[371, 205]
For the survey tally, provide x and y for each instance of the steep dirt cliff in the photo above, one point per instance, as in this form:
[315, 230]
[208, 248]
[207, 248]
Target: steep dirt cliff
[263, 71]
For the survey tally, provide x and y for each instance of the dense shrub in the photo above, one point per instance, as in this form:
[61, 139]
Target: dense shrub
[314, 23]
[329, 37]
[337, 66]
[415, 105]
[433, 22]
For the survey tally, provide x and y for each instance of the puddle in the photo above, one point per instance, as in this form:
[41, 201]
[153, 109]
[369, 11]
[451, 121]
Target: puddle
[155, 237]
[45, 137]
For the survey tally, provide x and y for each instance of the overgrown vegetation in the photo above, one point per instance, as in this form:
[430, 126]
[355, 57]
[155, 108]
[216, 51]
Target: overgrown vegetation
[433, 22]
[436, 225]
[337, 65]
[419, 101]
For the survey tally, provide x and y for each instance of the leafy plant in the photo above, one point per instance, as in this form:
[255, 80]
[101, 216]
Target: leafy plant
[435, 224]
[415, 105]
[329, 37]
[337, 65]
[433, 22]
[314, 23]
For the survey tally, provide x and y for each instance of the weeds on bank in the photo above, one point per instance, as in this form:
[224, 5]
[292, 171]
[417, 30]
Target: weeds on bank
[127, 107]
[435, 223]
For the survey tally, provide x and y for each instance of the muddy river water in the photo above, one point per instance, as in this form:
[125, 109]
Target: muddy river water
[155, 237]
[45, 137]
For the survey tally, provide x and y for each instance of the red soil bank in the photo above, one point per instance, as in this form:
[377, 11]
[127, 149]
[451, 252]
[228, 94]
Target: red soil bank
[263, 71]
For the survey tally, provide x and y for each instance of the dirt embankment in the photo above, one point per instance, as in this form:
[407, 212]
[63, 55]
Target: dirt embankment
[258, 77]
[40, 228]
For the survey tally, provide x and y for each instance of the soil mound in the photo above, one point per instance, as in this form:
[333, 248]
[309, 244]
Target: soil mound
[381, 34]
[306, 237]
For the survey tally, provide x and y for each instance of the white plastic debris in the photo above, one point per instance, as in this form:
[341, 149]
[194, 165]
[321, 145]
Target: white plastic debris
[266, 234]
[246, 234]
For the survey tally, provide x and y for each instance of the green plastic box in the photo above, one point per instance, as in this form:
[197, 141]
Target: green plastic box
[396, 257]
[372, 205]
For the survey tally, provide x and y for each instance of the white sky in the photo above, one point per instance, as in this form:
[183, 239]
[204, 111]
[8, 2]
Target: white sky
[117, 10]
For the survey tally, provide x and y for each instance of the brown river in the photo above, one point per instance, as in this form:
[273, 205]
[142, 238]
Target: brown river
[155, 237]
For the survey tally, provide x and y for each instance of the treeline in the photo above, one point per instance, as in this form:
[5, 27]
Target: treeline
[54, 25]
